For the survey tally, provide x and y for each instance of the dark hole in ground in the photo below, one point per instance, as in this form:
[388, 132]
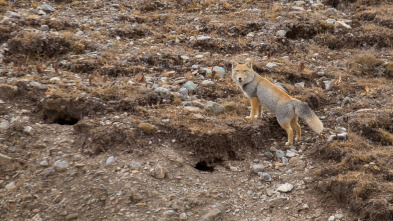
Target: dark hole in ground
[203, 166]
[65, 120]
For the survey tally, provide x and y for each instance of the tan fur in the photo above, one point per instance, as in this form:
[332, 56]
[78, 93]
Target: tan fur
[262, 92]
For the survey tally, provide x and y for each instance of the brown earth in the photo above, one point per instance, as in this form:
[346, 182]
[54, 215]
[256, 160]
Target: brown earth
[95, 81]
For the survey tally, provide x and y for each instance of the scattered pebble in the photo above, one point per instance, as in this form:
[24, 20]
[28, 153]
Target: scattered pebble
[212, 215]
[110, 160]
[158, 172]
[280, 153]
[284, 188]
[190, 86]
[60, 165]
[258, 168]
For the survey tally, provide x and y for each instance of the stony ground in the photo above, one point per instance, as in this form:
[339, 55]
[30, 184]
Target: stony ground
[125, 110]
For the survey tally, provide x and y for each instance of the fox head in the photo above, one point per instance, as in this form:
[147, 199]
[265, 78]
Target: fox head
[242, 73]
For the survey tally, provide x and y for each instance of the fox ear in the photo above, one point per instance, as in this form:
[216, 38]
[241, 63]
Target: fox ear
[249, 64]
[234, 64]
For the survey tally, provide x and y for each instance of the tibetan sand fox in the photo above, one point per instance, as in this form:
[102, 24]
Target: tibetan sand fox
[263, 92]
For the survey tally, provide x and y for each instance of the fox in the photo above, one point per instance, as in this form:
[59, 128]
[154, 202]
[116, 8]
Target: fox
[264, 93]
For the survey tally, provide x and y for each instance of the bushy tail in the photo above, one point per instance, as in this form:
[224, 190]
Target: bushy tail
[304, 111]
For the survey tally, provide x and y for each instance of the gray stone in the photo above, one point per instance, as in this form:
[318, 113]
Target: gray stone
[298, 8]
[41, 12]
[340, 136]
[110, 160]
[28, 130]
[203, 38]
[60, 165]
[271, 65]
[11, 14]
[54, 79]
[183, 91]
[49, 171]
[165, 121]
[265, 176]
[71, 216]
[330, 20]
[135, 164]
[190, 86]
[280, 153]
[185, 57]
[258, 168]
[162, 90]
[45, 27]
[291, 153]
[207, 70]
[199, 56]
[38, 85]
[183, 216]
[328, 85]
[192, 109]
[169, 212]
[11, 149]
[194, 66]
[47, 8]
[219, 70]
[215, 107]
[281, 33]
[339, 216]
[300, 84]
[284, 188]
[277, 201]
[341, 130]
[207, 83]
[212, 215]
[4, 125]
[44, 163]
[331, 218]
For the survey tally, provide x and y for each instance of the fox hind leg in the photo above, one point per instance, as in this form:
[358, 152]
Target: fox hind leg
[295, 126]
[259, 110]
[287, 127]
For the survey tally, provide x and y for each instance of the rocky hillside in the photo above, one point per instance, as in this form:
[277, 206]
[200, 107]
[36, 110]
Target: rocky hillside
[125, 110]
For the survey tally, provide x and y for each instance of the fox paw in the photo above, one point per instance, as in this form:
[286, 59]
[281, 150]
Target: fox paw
[287, 143]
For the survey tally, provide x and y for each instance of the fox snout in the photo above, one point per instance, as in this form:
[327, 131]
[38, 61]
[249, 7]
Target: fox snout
[240, 80]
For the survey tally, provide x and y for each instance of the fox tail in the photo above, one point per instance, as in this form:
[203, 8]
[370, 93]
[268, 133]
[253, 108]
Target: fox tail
[304, 111]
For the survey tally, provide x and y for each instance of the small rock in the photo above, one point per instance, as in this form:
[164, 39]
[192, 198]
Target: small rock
[298, 8]
[331, 218]
[280, 86]
[345, 101]
[203, 38]
[207, 83]
[340, 136]
[54, 79]
[281, 33]
[110, 160]
[284, 188]
[300, 84]
[258, 168]
[265, 176]
[47, 8]
[341, 130]
[277, 201]
[37, 217]
[49, 171]
[71, 216]
[38, 85]
[169, 212]
[165, 121]
[330, 20]
[269, 154]
[219, 70]
[212, 215]
[44, 163]
[4, 125]
[10, 185]
[339, 216]
[183, 91]
[41, 12]
[269, 192]
[135, 164]
[11, 149]
[158, 172]
[280, 153]
[11, 14]
[60, 165]
[271, 65]
[183, 216]
[162, 90]
[190, 86]
[28, 130]
[194, 66]
[291, 153]
[215, 107]
[328, 85]
[192, 109]
[44, 27]
[305, 206]
[184, 57]
[199, 56]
